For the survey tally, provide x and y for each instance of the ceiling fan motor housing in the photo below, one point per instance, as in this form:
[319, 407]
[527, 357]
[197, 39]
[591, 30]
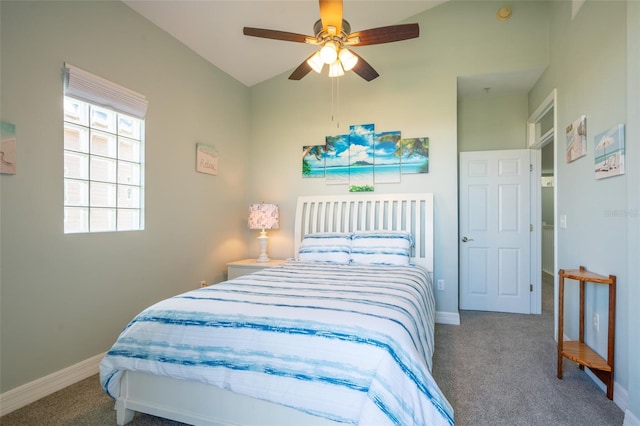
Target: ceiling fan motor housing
[321, 35]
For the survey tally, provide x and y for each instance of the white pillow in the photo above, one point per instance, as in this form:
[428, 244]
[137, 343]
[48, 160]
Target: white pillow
[326, 247]
[381, 247]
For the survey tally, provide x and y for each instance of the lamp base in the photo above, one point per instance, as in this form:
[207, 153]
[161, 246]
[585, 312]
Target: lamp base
[262, 241]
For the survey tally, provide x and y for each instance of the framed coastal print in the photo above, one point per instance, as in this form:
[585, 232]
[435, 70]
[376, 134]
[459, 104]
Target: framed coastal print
[608, 152]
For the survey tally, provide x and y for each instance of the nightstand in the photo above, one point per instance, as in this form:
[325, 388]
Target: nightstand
[248, 266]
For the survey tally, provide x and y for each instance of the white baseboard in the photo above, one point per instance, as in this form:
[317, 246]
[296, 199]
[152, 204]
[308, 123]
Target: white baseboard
[620, 394]
[630, 419]
[33, 391]
[452, 318]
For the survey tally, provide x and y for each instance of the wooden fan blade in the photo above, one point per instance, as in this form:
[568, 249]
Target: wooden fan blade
[363, 69]
[274, 34]
[302, 70]
[385, 34]
[331, 15]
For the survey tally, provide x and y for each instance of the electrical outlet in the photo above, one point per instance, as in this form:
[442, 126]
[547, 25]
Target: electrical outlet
[440, 285]
[596, 322]
[203, 283]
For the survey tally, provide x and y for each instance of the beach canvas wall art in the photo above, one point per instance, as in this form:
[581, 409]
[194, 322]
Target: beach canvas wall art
[313, 161]
[363, 158]
[7, 148]
[337, 160]
[386, 157]
[415, 155]
[608, 152]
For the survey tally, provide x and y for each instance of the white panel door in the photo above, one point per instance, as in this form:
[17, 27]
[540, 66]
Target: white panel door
[495, 231]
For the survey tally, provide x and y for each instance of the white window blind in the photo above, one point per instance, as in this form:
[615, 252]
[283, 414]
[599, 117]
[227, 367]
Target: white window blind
[90, 88]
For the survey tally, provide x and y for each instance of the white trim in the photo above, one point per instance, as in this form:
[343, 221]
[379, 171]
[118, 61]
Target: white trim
[620, 394]
[535, 239]
[44, 386]
[630, 419]
[452, 318]
[534, 139]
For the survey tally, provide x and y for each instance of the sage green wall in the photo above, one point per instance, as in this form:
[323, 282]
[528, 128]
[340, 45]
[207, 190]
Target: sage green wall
[492, 122]
[633, 209]
[416, 93]
[593, 72]
[64, 298]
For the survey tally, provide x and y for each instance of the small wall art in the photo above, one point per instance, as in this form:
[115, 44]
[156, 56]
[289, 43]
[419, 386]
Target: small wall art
[577, 139]
[206, 159]
[608, 152]
[7, 148]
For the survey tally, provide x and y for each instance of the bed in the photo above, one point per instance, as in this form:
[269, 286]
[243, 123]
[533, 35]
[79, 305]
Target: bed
[341, 334]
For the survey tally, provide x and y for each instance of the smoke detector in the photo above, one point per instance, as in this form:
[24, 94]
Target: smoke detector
[504, 13]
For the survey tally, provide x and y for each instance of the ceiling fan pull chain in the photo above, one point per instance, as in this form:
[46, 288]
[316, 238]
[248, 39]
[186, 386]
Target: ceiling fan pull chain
[332, 102]
[338, 102]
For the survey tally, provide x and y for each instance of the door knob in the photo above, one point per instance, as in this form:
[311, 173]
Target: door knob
[465, 239]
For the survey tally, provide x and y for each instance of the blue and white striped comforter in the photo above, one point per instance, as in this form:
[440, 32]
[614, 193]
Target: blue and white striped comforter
[349, 343]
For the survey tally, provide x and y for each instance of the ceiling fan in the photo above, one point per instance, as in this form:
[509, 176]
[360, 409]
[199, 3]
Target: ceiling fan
[334, 35]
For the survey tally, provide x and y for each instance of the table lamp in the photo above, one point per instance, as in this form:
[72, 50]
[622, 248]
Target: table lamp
[263, 216]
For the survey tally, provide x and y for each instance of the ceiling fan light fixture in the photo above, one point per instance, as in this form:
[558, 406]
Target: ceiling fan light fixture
[348, 59]
[316, 63]
[335, 69]
[329, 52]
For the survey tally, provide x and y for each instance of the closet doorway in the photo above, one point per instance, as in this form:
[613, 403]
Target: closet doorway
[542, 138]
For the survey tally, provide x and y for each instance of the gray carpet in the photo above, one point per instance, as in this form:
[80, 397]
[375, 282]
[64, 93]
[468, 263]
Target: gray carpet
[500, 369]
[495, 369]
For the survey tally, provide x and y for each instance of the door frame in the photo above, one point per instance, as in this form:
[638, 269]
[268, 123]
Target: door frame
[535, 141]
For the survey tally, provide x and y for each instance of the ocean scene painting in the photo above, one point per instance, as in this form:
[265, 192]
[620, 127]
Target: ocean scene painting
[363, 158]
[313, 161]
[415, 155]
[387, 153]
[337, 160]
[608, 152]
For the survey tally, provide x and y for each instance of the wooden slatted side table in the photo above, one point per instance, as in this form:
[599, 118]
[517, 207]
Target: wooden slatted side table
[578, 351]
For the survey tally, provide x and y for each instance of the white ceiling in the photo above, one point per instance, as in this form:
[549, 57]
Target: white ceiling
[213, 29]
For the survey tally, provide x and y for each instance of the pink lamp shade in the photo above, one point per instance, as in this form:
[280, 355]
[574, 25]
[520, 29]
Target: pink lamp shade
[263, 216]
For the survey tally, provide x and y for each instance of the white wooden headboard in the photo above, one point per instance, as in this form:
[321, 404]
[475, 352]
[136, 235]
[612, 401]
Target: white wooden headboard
[358, 211]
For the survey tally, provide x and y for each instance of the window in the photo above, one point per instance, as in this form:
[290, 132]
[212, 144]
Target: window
[103, 169]
[103, 155]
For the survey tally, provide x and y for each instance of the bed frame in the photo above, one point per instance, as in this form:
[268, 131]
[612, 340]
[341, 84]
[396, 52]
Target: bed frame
[200, 404]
